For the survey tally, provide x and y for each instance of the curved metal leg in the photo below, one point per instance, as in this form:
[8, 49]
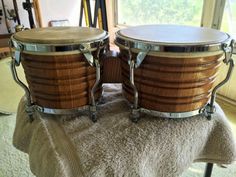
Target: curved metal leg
[228, 50]
[135, 112]
[229, 73]
[210, 108]
[29, 106]
[16, 59]
[93, 108]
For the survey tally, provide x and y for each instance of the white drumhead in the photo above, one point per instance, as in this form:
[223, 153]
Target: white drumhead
[60, 35]
[174, 34]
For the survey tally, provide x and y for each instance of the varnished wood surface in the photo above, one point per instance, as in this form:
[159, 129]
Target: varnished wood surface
[4, 39]
[4, 52]
[59, 81]
[111, 67]
[172, 84]
[164, 84]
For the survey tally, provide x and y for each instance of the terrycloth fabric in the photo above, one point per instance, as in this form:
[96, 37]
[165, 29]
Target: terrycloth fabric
[115, 147]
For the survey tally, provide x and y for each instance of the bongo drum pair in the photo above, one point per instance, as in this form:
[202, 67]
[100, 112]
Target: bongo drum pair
[167, 70]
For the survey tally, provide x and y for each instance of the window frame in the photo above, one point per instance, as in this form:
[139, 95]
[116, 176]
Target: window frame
[211, 17]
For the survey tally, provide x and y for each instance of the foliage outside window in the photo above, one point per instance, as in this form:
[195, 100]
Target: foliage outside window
[139, 12]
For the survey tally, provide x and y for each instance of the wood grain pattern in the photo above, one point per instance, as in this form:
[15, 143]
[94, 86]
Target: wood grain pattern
[59, 81]
[172, 84]
[4, 40]
[111, 68]
[4, 52]
[37, 13]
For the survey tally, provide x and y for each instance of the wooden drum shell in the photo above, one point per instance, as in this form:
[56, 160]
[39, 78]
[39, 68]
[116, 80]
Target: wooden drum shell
[59, 81]
[172, 84]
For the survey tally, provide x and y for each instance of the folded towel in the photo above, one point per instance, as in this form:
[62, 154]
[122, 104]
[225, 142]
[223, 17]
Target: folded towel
[114, 146]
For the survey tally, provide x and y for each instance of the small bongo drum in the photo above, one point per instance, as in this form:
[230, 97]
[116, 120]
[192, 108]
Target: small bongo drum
[62, 67]
[171, 70]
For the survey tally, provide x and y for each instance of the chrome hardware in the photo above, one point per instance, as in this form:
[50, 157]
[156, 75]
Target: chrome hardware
[17, 52]
[16, 59]
[174, 115]
[29, 109]
[135, 111]
[134, 116]
[125, 42]
[228, 51]
[141, 56]
[59, 111]
[16, 62]
[93, 107]
[135, 106]
[84, 49]
[210, 108]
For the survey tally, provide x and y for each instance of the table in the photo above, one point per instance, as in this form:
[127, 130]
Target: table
[114, 146]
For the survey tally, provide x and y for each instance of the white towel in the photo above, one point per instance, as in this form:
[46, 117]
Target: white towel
[66, 146]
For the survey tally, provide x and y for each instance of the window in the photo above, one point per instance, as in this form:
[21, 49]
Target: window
[229, 18]
[138, 12]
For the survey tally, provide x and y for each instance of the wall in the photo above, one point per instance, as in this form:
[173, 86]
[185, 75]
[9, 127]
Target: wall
[22, 13]
[50, 10]
[54, 10]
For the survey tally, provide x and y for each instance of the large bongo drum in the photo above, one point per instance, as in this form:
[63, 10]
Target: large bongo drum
[172, 69]
[62, 67]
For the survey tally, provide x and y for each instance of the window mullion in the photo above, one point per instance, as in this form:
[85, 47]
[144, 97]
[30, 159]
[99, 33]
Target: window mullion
[212, 13]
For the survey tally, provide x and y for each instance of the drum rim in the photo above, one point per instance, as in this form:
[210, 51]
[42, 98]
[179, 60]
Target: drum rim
[129, 43]
[65, 47]
[174, 115]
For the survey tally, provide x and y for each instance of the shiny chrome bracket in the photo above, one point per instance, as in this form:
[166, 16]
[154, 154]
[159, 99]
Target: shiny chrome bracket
[16, 62]
[228, 50]
[93, 106]
[60, 111]
[135, 111]
[172, 115]
[84, 49]
[141, 56]
[135, 115]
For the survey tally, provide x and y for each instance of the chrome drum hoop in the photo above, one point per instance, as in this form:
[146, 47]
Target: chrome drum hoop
[173, 115]
[60, 111]
[36, 47]
[126, 42]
